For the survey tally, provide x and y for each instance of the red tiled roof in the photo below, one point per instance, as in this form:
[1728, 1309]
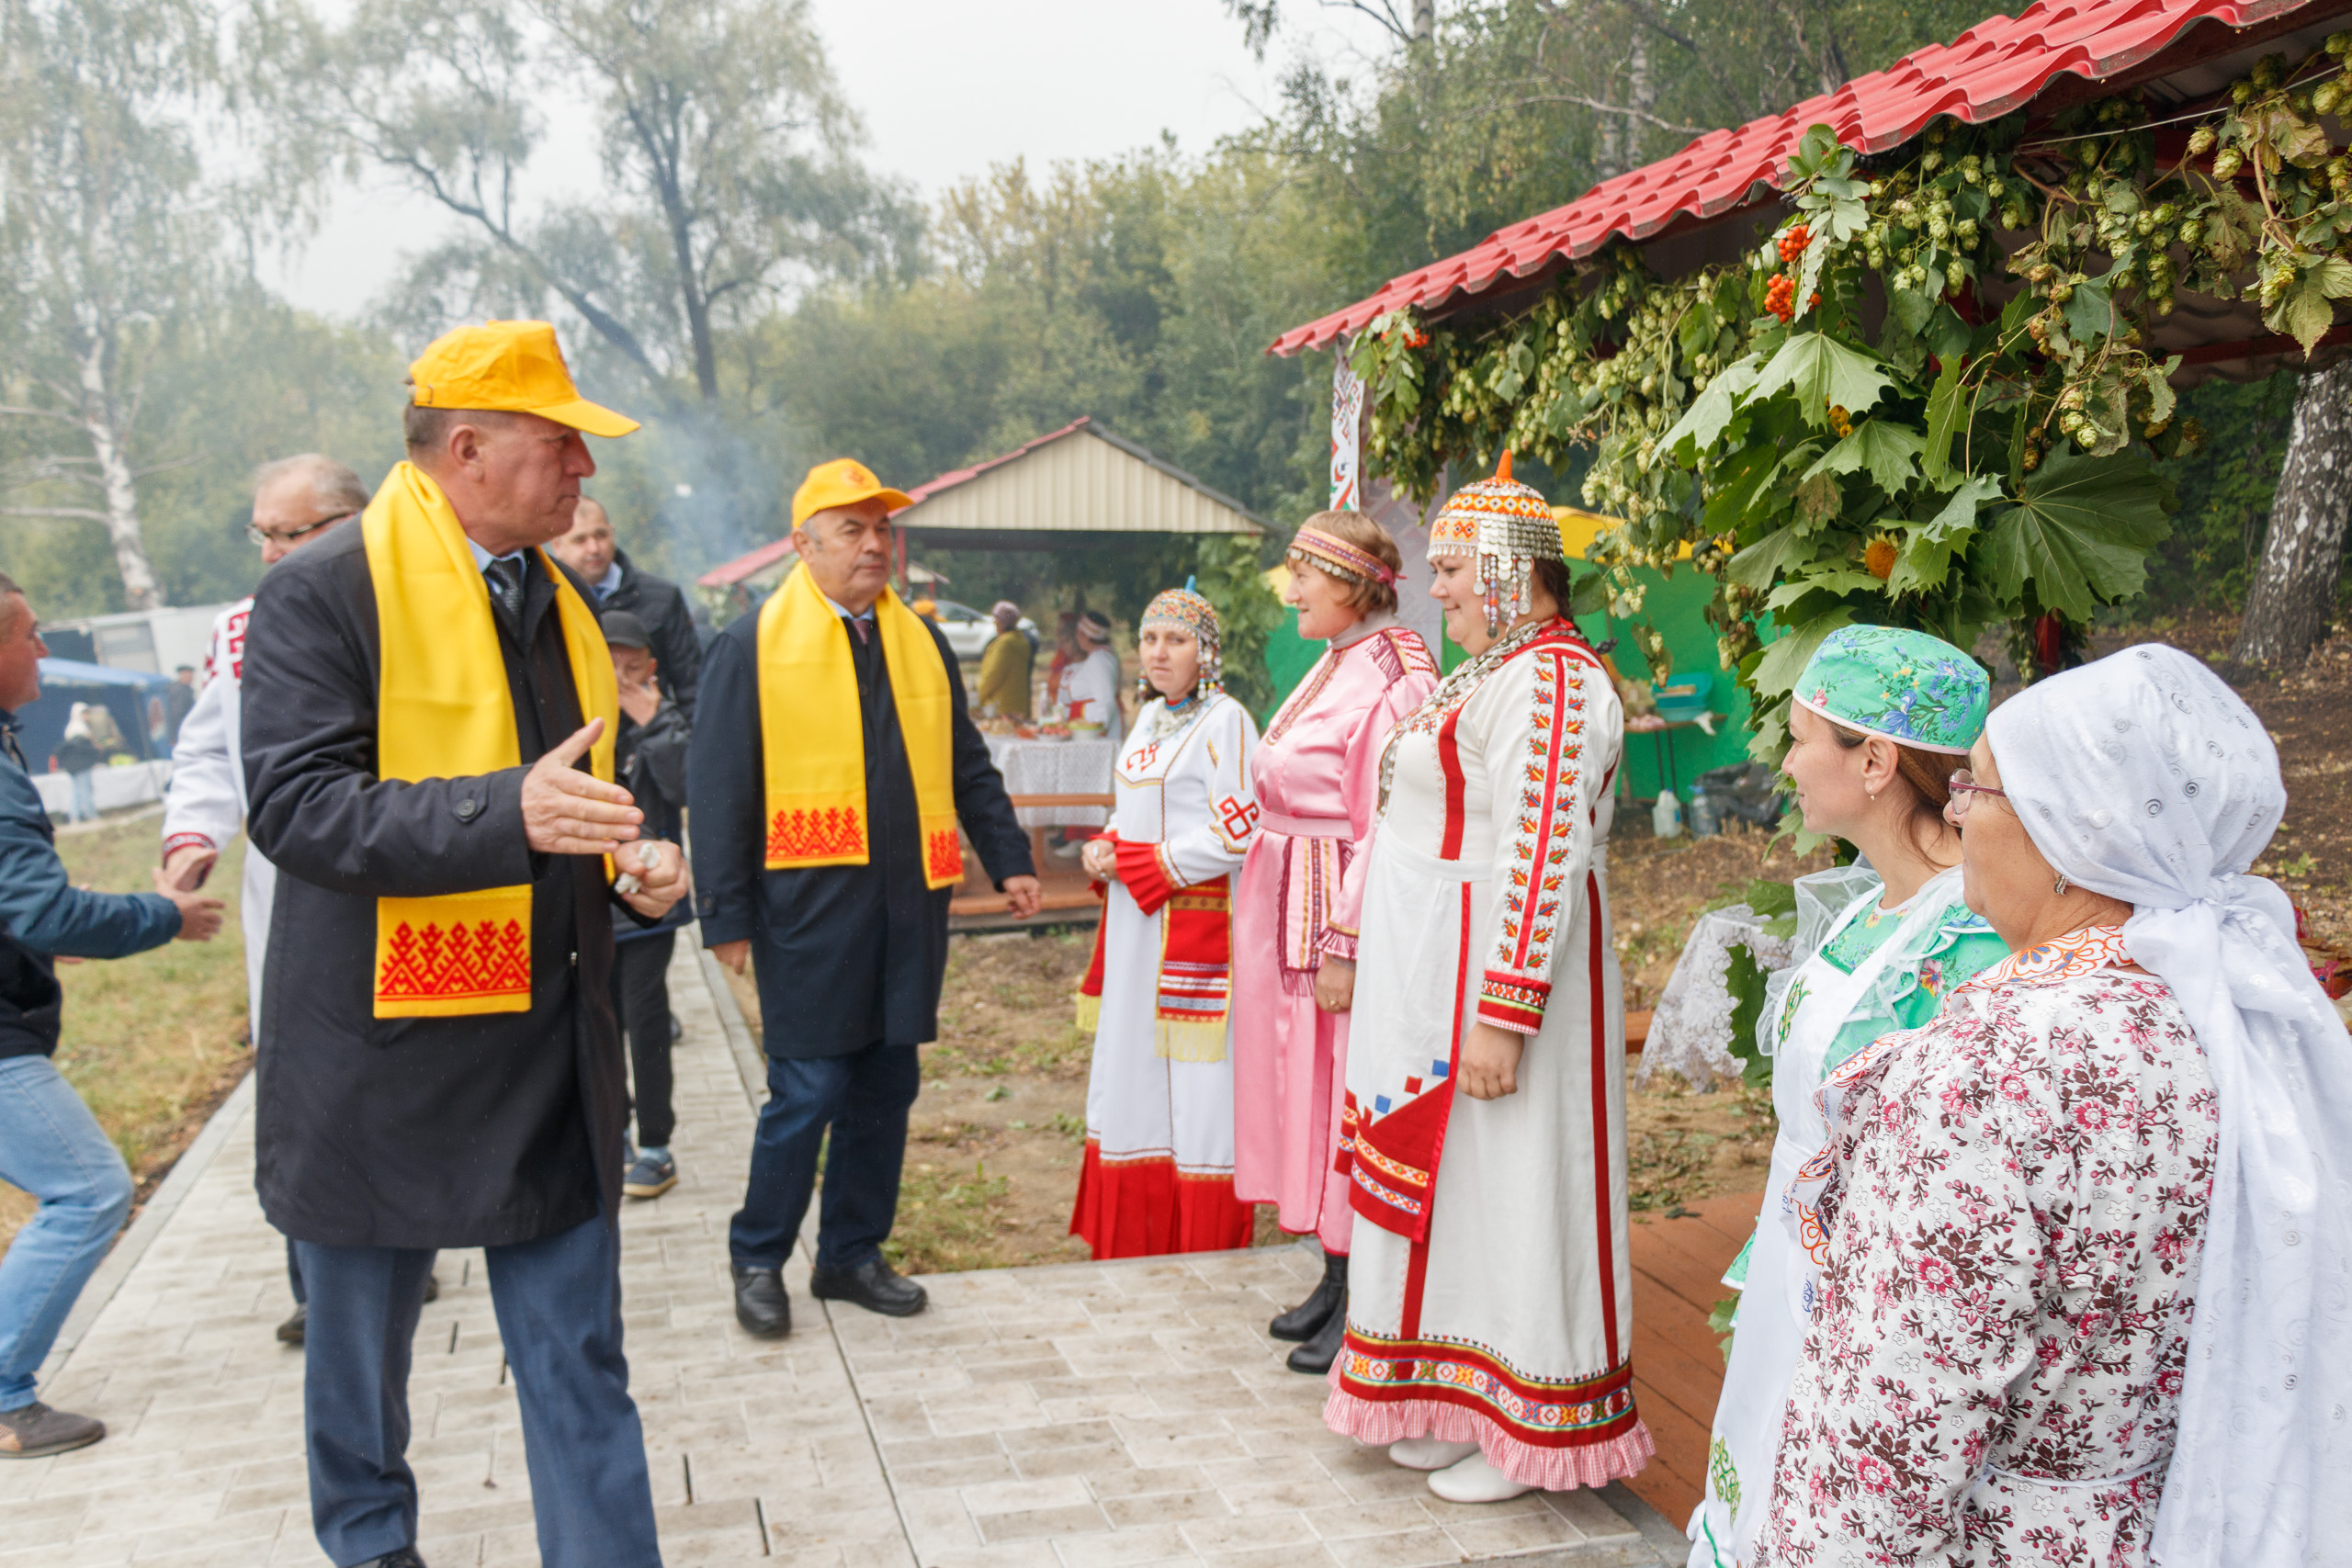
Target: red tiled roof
[1987, 71]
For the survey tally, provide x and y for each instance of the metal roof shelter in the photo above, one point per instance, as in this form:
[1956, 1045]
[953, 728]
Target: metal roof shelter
[1682, 210]
[1079, 485]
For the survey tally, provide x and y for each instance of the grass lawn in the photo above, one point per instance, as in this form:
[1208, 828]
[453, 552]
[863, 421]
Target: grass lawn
[152, 1042]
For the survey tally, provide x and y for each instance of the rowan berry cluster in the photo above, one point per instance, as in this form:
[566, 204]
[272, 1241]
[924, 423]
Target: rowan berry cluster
[1792, 243]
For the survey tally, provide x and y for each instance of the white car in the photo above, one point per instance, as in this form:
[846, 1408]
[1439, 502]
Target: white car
[970, 631]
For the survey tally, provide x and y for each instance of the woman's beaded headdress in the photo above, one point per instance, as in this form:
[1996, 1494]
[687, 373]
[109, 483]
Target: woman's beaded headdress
[1187, 612]
[1509, 527]
[1332, 554]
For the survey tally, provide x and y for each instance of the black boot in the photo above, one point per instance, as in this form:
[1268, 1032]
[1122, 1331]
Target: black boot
[1302, 1321]
[1318, 1354]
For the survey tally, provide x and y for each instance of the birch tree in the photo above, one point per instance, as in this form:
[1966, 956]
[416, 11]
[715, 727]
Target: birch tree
[106, 242]
[2293, 597]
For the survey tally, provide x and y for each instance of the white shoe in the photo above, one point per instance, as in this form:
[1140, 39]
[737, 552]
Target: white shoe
[1472, 1479]
[1428, 1454]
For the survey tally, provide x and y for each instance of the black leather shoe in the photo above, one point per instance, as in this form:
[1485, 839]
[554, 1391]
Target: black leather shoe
[1318, 1354]
[433, 1287]
[293, 1330]
[761, 1305]
[405, 1557]
[1303, 1321]
[873, 1285]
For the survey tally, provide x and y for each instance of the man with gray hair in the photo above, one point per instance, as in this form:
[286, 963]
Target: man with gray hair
[296, 501]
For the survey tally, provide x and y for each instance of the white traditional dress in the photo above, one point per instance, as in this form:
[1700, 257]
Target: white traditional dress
[2008, 1227]
[205, 804]
[1866, 970]
[1317, 780]
[1159, 1168]
[1490, 1294]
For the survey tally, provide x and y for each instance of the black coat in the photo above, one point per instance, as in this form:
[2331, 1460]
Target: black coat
[415, 1131]
[847, 956]
[656, 600]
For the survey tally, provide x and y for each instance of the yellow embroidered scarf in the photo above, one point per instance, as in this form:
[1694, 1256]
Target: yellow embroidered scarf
[443, 710]
[812, 732]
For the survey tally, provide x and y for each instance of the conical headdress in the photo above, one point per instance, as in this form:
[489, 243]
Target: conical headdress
[1509, 527]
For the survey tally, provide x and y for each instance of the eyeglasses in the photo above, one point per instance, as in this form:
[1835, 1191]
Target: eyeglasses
[261, 535]
[1963, 785]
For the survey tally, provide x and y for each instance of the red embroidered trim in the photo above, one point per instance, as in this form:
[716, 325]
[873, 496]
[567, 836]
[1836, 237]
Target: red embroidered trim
[481, 960]
[944, 856]
[803, 834]
[1581, 1410]
[1514, 1001]
[1602, 1201]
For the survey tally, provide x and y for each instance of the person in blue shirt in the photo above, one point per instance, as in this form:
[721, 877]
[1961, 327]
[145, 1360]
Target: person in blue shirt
[50, 1144]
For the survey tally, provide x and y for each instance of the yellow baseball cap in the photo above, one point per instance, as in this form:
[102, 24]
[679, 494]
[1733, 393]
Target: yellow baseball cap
[844, 481]
[513, 366]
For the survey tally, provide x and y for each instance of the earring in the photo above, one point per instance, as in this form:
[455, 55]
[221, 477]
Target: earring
[2059, 885]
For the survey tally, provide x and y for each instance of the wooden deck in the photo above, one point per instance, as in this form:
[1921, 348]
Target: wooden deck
[1678, 1368]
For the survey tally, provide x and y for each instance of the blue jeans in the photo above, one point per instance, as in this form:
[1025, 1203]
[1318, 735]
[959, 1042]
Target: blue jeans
[85, 797]
[559, 1306]
[52, 1147]
[864, 1098]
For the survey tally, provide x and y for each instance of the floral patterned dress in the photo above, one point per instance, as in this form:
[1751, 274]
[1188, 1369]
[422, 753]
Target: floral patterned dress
[2011, 1212]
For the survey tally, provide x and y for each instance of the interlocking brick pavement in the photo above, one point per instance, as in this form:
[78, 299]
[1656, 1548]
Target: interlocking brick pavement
[1083, 1415]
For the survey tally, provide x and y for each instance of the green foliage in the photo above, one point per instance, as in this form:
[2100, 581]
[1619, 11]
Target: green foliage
[1247, 611]
[1941, 467]
[2225, 486]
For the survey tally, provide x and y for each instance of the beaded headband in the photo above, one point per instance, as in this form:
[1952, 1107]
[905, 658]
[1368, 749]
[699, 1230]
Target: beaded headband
[1340, 557]
[1509, 527]
[1188, 612]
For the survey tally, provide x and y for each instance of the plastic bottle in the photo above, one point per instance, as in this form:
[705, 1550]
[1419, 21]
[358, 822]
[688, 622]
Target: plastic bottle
[1666, 816]
[1703, 824]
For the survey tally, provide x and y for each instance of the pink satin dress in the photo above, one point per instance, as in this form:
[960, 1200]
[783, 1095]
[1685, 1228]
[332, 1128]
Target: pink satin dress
[1316, 774]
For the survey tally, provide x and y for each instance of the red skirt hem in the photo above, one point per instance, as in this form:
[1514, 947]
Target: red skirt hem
[1146, 1208]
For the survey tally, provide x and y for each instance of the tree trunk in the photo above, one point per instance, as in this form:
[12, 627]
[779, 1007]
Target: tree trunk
[120, 486]
[2293, 597]
[1424, 20]
[1640, 96]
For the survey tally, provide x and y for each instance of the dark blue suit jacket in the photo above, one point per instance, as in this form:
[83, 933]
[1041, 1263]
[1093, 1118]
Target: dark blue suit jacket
[847, 956]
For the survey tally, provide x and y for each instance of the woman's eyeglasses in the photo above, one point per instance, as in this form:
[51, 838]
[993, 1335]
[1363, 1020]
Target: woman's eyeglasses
[261, 535]
[1963, 785]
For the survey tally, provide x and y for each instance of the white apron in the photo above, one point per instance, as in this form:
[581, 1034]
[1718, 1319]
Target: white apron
[1776, 1302]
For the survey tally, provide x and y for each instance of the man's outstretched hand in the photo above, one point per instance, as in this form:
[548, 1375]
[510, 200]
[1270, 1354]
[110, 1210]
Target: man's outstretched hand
[199, 916]
[567, 812]
[734, 954]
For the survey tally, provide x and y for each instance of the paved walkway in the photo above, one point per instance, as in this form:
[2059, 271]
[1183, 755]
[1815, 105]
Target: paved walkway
[1083, 1416]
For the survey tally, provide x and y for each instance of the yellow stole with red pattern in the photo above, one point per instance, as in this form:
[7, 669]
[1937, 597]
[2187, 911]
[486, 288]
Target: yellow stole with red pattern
[812, 732]
[444, 711]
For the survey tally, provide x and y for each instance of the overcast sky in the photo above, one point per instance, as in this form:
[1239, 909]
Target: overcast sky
[946, 88]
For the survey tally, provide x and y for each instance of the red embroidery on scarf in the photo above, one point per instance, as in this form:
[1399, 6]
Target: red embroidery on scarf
[944, 856]
[481, 960]
[803, 834]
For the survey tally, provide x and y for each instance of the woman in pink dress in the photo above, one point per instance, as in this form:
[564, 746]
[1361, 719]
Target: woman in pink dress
[1317, 778]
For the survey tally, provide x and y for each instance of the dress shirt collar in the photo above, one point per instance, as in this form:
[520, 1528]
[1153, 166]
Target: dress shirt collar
[841, 610]
[610, 581]
[483, 558]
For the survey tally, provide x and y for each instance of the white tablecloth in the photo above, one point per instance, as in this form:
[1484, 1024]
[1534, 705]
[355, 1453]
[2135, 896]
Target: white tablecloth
[1055, 767]
[1691, 1030]
[134, 785]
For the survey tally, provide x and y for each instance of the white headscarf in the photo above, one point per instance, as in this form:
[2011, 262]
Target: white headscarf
[2144, 777]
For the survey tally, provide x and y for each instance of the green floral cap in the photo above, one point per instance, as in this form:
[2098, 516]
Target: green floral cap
[1906, 686]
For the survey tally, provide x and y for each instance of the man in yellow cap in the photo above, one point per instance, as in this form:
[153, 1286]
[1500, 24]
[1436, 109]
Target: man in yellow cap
[827, 853]
[429, 711]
